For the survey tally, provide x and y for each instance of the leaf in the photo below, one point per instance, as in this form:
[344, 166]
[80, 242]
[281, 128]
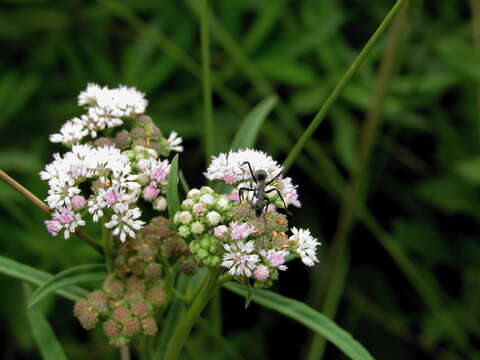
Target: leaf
[469, 170]
[305, 315]
[24, 272]
[248, 132]
[173, 201]
[43, 334]
[68, 277]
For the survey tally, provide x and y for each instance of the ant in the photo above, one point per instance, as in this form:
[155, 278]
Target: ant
[262, 201]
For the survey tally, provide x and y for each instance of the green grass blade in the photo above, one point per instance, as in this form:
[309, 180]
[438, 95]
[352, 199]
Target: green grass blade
[173, 201]
[322, 113]
[21, 271]
[308, 317]
[43, 334]
[72, 276]
[248, 132]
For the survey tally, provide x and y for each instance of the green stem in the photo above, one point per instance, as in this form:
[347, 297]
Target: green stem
[107, 242]
[206, 80]
[340, 86]
[188, 320]
[125, 353]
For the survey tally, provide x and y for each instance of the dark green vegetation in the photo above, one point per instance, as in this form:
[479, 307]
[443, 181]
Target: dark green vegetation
[398, 266]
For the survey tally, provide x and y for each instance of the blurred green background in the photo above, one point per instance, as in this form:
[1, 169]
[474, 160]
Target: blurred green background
[411, 287]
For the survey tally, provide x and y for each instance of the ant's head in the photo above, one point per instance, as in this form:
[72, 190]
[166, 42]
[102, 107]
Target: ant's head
[261, 175]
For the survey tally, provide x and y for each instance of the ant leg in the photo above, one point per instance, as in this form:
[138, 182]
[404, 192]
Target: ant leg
[251, 171]
[241, 190]
[267, 203]
[274, 178]
[281, 198]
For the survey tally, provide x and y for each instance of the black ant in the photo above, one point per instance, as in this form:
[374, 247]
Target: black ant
[262, 201]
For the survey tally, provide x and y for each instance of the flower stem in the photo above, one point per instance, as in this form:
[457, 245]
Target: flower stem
[186, 323]
[42, 206]
[322, 113]
[107, 246]
[207, 83]
[125, 353]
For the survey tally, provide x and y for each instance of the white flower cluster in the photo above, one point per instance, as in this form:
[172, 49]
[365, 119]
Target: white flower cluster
[104, 181]
[115, 190]
[232, 168]
[244, 259]
[106, 108]
[228, 234]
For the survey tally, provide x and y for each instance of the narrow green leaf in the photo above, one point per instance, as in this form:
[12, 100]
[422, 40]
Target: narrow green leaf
[307, 316]
[173, 201]
[248, 132]
[24, 272]
[43, 334]
[68, 277]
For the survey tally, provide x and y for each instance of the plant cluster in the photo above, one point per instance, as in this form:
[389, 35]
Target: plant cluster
[114, 168]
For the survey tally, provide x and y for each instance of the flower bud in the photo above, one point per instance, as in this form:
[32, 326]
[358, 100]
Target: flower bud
[197, 227]
[213, 218]
[131, 327]
[149, 326]
[78, 202]
[160, 203]
[111, 328]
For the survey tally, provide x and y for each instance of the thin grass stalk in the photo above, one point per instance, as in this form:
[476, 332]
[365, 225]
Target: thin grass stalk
[352, 195]
[207, 83]
[322, 113]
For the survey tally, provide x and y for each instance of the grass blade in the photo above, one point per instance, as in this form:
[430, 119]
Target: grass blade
[173, 201]
[308, 317]
[340, 86]
[68, 277]
[248, 132]
[34, 276]
[43, 334]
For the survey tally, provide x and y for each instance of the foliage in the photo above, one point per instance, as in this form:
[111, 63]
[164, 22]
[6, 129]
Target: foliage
[406, 283]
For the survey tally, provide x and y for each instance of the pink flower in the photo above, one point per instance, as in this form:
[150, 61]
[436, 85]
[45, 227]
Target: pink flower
[111, 196]
[241, 231]
[53, 227]
[78, 202]
[261, 272]
[275, 258]
[160, 174]
[150, 192]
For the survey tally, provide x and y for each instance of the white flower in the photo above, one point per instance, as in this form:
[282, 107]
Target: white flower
[90, 94]
[232, 168]
[124, 221]
[238, 258]
[174, 142]
[306, 245]
[228, 167]
[70, 133]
